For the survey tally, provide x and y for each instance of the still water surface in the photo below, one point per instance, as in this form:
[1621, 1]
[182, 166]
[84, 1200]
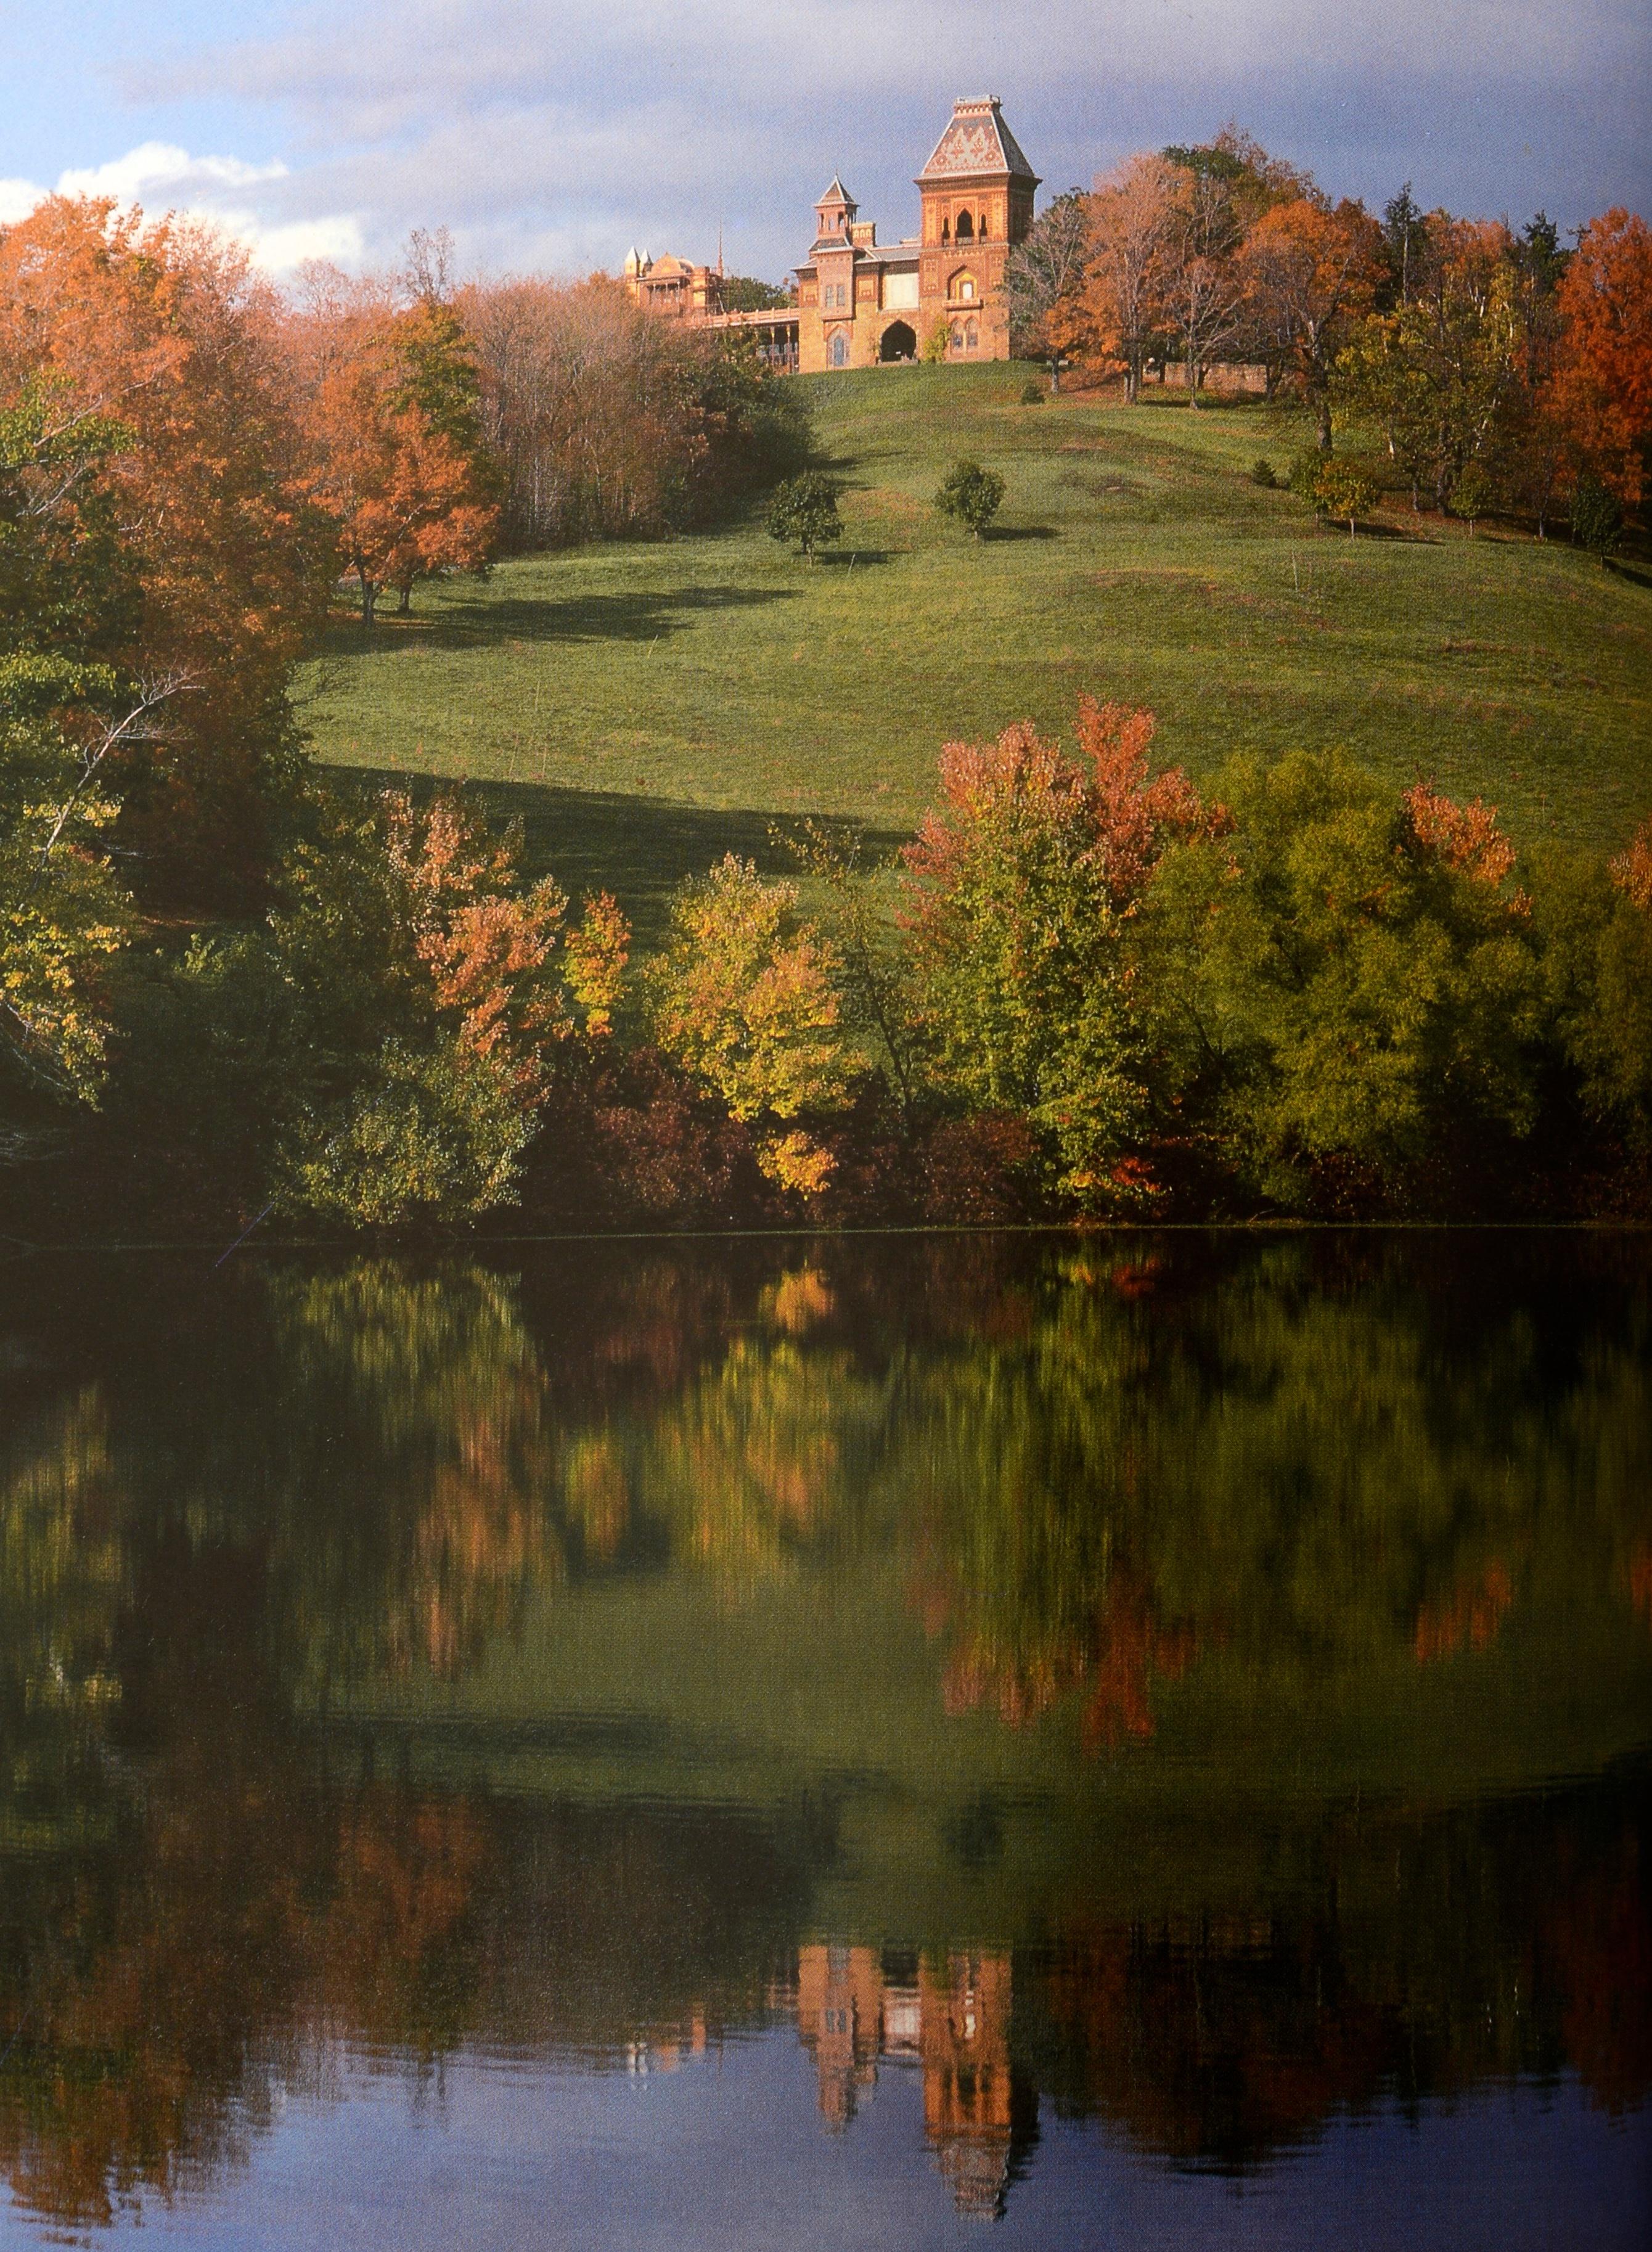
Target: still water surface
[865, 1743]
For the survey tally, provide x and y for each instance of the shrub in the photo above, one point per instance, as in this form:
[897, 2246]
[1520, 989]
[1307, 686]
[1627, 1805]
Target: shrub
[805, 509]
[1262, 474]
[1031, 394]
[970, 496]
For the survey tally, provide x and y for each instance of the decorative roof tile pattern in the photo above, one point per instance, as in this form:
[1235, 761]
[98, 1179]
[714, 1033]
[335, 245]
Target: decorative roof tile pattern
[976, 141]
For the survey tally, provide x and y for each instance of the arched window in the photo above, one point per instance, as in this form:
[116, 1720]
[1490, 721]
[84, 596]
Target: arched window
[946, 231]
[957, 339]
[965, 227]
[838, 351]
[960, 285]
[972, 336]
[981, 232]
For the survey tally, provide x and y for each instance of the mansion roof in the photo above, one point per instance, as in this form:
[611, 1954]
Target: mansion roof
[976, 142]
[874, 254]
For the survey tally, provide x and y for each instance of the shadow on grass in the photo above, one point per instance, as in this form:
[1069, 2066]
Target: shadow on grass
[1021, 531]
[845, 559]
[485, 621]
[638, 848]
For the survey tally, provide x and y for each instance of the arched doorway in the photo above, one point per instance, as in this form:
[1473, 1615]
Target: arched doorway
[838, 351]
[897, 342]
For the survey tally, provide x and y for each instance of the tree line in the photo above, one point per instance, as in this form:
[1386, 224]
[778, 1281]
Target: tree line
[1483, 367]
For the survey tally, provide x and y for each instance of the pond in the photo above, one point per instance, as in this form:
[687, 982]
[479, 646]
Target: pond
[1100, 1741]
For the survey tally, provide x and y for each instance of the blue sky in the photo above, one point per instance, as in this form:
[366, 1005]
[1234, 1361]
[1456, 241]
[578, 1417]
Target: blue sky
[551, 135]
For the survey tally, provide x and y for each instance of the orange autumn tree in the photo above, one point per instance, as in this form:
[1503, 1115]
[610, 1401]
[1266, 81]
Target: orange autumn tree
[390, 405]
[1602, 390]
[1308, 274]
[164, 329]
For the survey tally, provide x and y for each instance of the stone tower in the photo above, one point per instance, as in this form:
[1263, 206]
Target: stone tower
[977, 190]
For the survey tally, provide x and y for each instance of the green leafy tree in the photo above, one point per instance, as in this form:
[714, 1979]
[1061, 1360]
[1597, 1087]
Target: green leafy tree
[68, 710]
[1347, 985]
[1597, 516]
[970, 496]
[805, 509]
[1020, 888]
[1440, 375]
[1406, 232]
[743, 293]
[1593, 926]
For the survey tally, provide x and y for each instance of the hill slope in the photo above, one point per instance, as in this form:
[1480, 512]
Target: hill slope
[648, 705]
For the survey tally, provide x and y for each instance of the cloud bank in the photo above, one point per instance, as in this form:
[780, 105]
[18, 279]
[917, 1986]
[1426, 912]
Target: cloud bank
[551, 135]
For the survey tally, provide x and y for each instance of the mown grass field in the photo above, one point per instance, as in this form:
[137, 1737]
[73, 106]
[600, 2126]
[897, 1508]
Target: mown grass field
[647, 706]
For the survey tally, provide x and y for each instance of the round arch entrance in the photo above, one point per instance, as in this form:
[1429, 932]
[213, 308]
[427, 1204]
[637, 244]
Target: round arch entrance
[897, 342]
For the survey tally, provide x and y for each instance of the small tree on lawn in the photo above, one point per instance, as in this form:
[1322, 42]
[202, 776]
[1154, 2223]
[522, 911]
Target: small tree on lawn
[1471, 496]
[805, 509]
[1597, 517]
[1345, 490]
[970, 496]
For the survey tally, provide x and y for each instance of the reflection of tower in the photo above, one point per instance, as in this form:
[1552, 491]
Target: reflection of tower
[856, 2008]
[840, 1991]
[968, 2111]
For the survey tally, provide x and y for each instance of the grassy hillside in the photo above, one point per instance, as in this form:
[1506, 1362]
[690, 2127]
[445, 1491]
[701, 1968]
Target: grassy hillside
[649, 706]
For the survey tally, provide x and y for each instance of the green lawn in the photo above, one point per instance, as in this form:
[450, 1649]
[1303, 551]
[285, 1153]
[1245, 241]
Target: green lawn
[647, 706]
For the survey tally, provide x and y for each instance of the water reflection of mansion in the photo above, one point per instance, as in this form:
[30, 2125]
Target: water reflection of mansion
[860, 2010]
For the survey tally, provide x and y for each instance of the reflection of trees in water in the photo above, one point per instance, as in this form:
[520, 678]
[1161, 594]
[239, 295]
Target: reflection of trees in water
[1440, 1952]
[158, 2001]
[1089, 1474]
[1091, 1468]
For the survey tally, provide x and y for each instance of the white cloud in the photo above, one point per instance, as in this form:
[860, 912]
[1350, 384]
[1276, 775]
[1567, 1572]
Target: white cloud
[134, 177]
[18, 199]
[158, 175]
[278, 249]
